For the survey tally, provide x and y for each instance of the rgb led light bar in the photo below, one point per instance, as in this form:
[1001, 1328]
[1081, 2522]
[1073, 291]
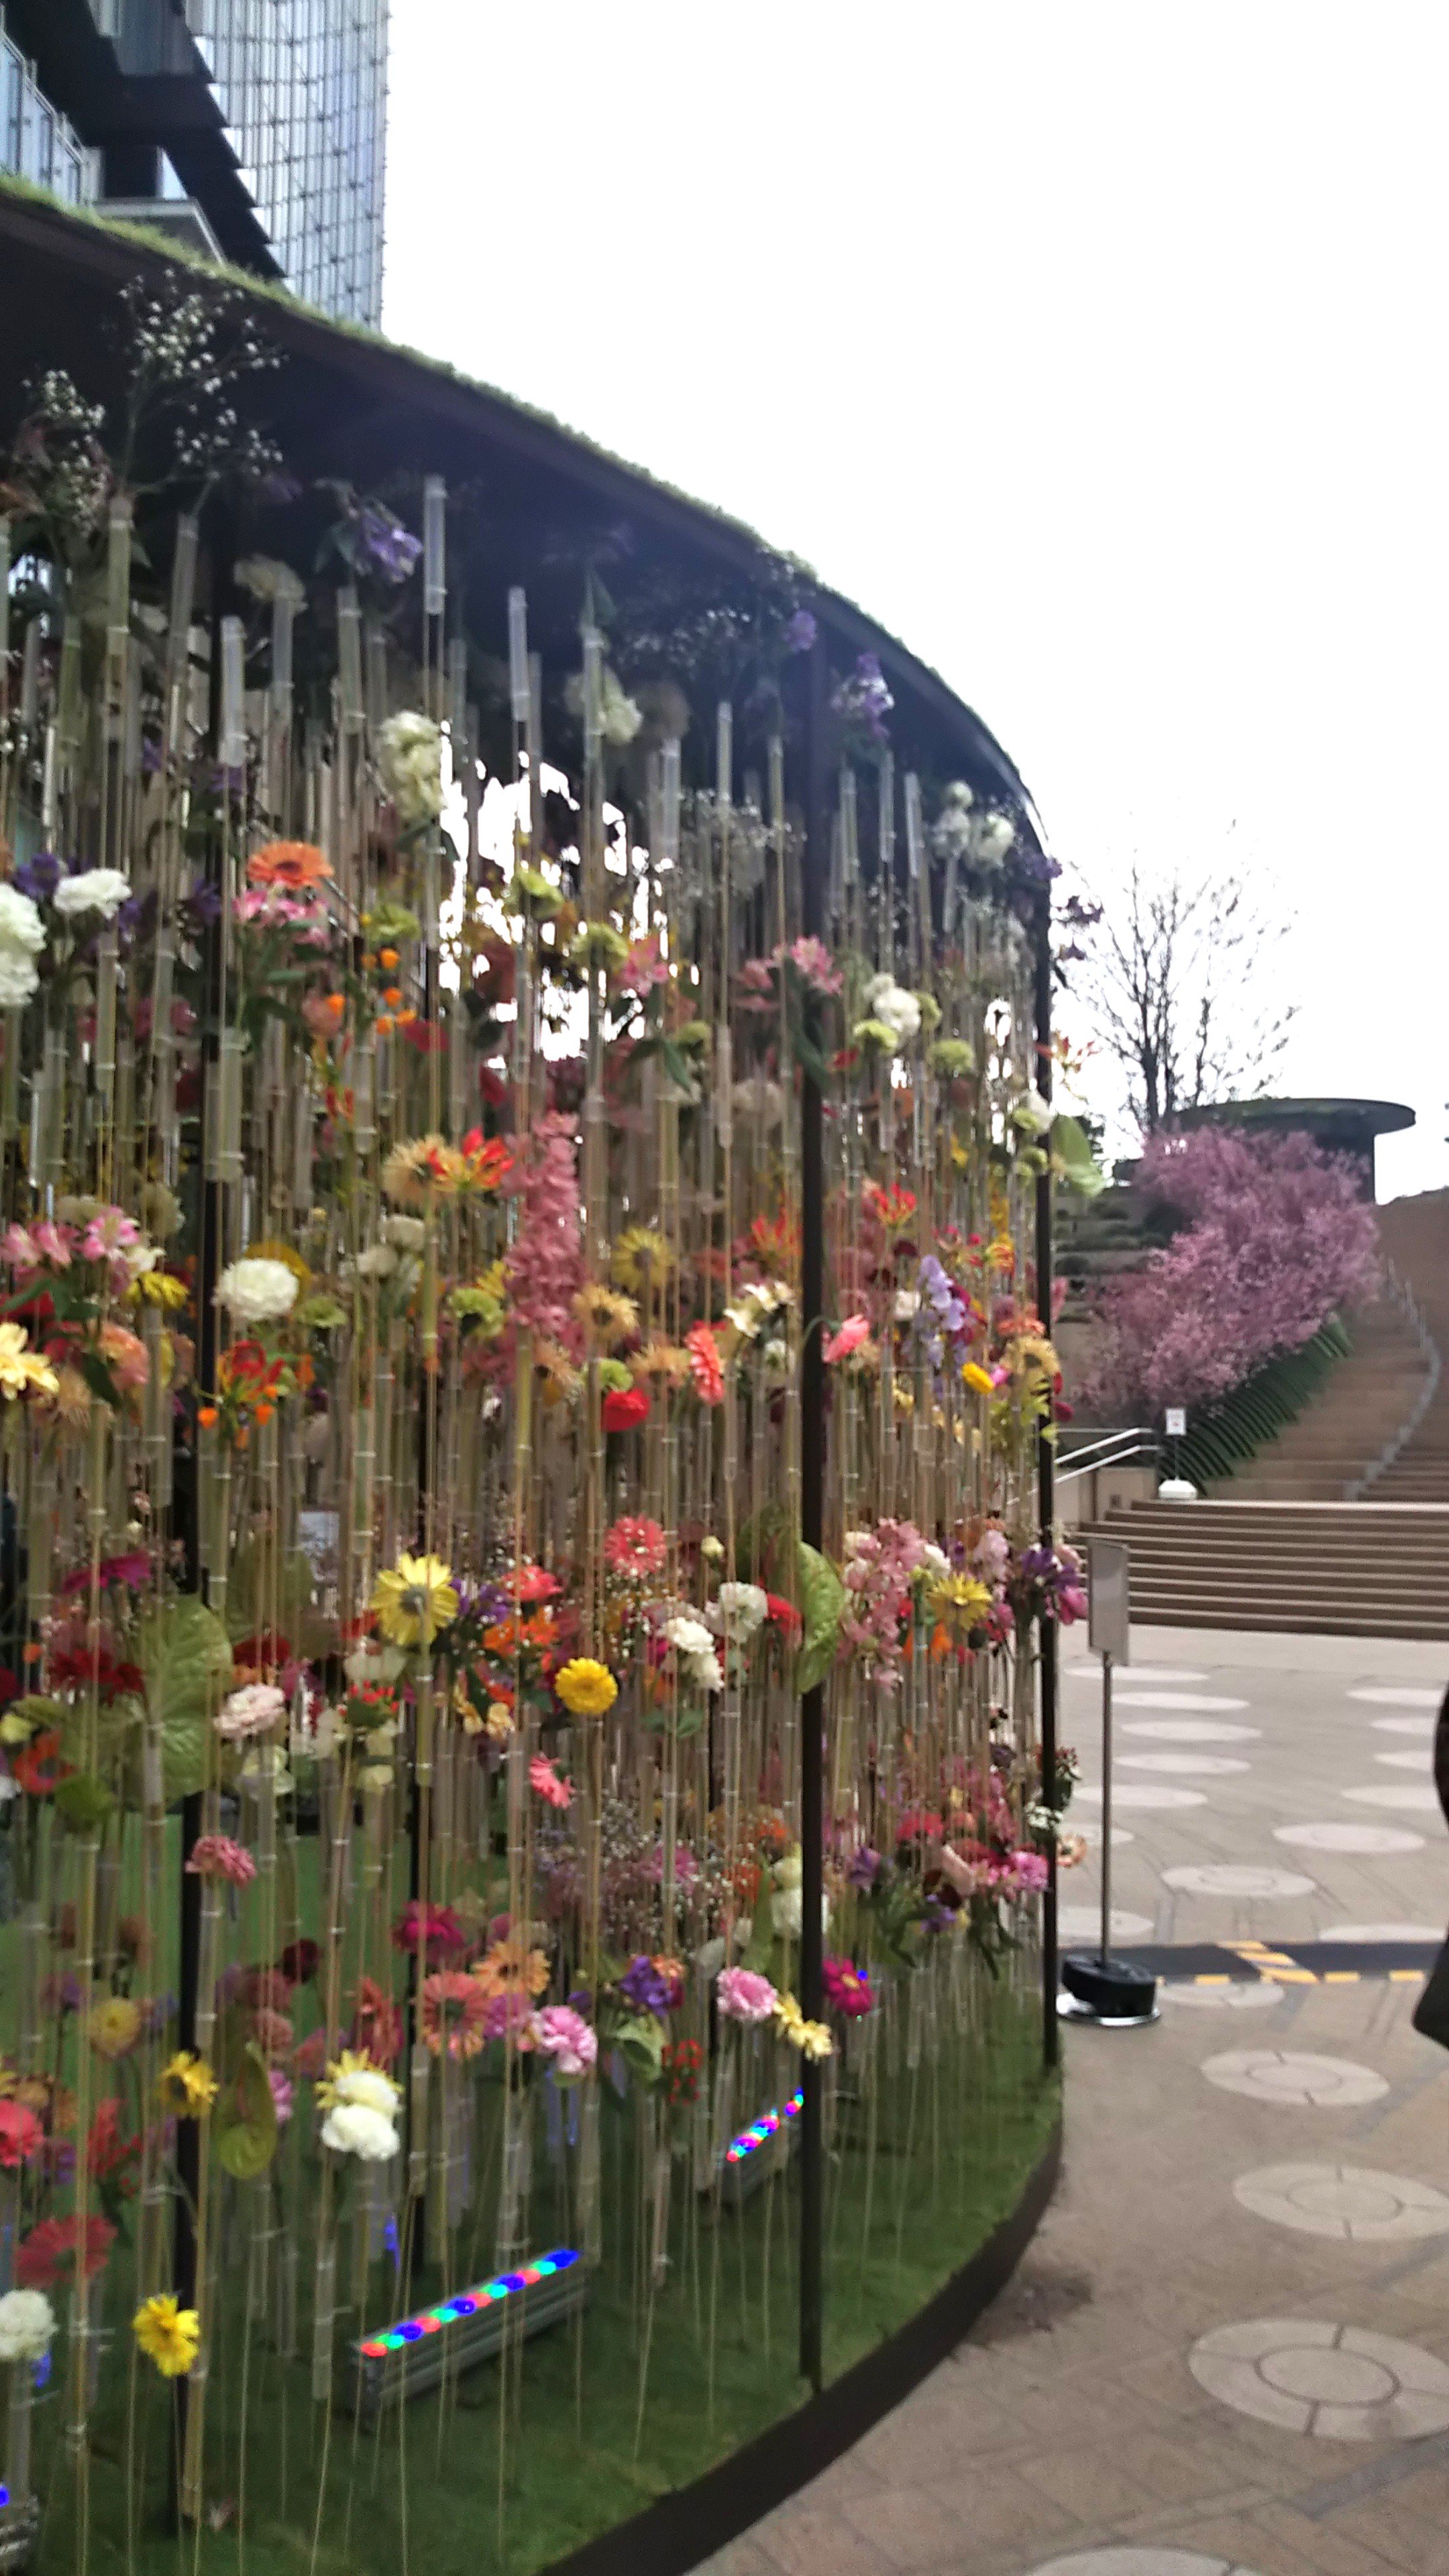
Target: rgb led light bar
[470, 2328]
[760, 2131]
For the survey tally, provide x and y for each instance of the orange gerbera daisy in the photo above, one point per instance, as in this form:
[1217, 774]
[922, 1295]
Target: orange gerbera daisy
[292, 865]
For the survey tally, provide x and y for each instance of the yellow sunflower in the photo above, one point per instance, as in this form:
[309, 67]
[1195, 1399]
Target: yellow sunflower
[641, 1254]
[187, 2085]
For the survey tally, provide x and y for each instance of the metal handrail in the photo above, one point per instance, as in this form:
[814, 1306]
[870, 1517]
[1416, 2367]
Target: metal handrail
[1355, 1492]
[1141, 1438]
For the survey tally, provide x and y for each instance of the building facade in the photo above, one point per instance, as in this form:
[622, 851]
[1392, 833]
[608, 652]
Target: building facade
[252, 128]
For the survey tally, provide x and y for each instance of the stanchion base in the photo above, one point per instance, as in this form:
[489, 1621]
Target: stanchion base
[1068, 2009]
[1107, 1990]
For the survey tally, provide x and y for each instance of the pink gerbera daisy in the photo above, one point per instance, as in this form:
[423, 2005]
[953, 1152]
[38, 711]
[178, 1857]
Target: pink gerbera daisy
[636, 1546]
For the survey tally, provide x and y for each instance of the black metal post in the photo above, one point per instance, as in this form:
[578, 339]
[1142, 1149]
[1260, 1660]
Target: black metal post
[1046, 1460]
[812, 1524]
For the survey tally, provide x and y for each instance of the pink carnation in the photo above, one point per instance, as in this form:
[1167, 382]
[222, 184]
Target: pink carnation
[744, 1996]
[636, 1546]
[217, 1856]
[566, 2038]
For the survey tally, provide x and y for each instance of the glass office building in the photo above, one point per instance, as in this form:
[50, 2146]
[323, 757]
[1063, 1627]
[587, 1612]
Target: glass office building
[267, 119]
[303, 88]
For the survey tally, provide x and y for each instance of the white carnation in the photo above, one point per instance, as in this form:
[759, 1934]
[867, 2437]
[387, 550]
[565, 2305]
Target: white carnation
[369, 2089]
[704, 1672]
[253, 1710]
[20, 922]
[408, 1233]
[354, 2129]
[379, 1261]
[101, 890]
[27, 2325]
[993, 837]
[689, 1636]
[259, 1292]
[740, 1609]
[889, 1001]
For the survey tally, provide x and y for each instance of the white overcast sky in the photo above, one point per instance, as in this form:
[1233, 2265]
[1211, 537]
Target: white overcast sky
[1098, 351]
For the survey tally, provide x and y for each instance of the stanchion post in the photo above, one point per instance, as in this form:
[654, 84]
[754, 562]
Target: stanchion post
[1046, 1460]
[812, 1522]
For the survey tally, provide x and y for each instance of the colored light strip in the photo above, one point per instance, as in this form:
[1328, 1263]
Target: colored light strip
[762, 2129]
[430, 2321]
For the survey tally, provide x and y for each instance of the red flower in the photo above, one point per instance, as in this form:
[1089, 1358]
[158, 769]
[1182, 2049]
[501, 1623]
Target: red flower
[298, 1962]
[38, 1766]
[492, 1086]
[784, 1616]
[681, 2060]
[625, 1410]
[52, 2251]
[531, 1583]
[441, 1931]
[704, 1364]
[377, 2030]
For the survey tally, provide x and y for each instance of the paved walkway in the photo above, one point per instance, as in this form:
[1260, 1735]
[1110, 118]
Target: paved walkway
[1227, 2352]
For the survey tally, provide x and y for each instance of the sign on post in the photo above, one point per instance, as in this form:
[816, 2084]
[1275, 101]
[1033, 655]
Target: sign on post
[1109, 1626]
[1177, 1422]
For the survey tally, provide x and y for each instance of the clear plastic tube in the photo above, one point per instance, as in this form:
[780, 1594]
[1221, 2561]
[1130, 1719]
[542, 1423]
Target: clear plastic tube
[435, 539]
[518, 654]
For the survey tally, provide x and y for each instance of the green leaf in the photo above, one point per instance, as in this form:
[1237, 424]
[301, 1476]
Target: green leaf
[83, 1802]
[822, 1606]
[246, 2144]
[254, 1603]
[186, 1658]
[97, 1377]
[761, 1944]
[640, 2042]
[1080, 1169]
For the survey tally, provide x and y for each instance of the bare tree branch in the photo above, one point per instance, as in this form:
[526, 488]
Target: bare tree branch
[1176, 990]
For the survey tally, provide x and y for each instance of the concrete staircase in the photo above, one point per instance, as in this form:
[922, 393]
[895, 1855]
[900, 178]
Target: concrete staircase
[1281, 1546]
[1324, 1455]
[1341, 1569]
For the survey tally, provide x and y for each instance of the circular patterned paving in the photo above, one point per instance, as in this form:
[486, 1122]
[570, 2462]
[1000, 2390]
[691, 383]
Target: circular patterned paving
[1092, 1835]
[1141, 2562]
[1145, 1793]
[1402, 1762]
[1382, 1932]
[1403, 1697]
[1276, 2075]
[1423, 1727]
[1379, 1840]
[1200, 1766]
[1313, 2377]
[1349, 2202]
[1128, 1697]
[1084, 1923]
[1239, 1996]
[1412, 1801]
[1133, 1673]
[1191, 1730]
[1235, 1878]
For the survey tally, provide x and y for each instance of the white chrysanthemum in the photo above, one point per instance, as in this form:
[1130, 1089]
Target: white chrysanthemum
[410, 757]
[355, 2129]
[703, 1672]
[993, 838]
[908, 1304]
[20, 922]
[18, 979]
[406, 1233]
[101, 890]
[27, 2325]
[951, 831]
[889, 1001]
[368, 1663]
[379, 1261]
[257, 1292]
[776, 1358]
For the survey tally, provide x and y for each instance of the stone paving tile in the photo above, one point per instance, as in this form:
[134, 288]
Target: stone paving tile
[1070, 2419]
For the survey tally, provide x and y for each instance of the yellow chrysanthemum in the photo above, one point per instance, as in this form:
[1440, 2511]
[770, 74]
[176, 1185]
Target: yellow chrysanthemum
[20, 1366]
[587, 1689]
[168, 2335]
[663, 1363]
[959, 1597]
[162, 1288]
[977, 1377]
[810, 2037]
[114, 2026]
[414, 1599]
[607, 1317]
[641, 1254]
[187, 2086]
[426, 1167]
[343, 2077]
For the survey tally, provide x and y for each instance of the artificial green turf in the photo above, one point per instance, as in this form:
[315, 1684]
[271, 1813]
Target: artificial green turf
[911, 2191]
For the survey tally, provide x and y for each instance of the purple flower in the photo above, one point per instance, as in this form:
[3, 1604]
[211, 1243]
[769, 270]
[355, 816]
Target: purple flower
[863, 1869]
[202, 904]
[392, 548]
[801, 632]
[39, 877]
[646, 1990]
